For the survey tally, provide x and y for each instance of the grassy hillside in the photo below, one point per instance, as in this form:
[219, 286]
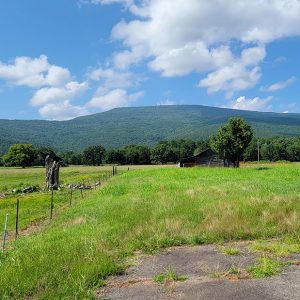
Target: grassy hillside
[141, 125]
[146, 210]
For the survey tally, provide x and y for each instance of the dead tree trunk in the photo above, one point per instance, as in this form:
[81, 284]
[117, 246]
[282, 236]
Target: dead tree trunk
[52, 173]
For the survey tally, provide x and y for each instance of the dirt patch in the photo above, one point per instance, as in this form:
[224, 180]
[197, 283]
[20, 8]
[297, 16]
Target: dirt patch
[210, 274]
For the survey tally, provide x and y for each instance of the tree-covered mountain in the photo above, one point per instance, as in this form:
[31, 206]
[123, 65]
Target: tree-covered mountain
[140, 125]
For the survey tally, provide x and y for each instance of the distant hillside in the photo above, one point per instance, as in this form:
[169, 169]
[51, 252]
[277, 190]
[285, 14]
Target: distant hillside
[140, 125]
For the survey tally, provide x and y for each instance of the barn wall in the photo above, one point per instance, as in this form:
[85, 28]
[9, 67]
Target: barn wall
[206, 159]
[209, 160]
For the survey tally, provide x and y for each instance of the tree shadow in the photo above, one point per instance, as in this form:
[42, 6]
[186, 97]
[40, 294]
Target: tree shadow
[262, 168]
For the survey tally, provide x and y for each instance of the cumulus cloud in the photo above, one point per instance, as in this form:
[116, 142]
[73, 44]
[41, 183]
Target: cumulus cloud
[279, 85]
[112, 99]
[256, 104]
[58, 94]
[178, 37]
[53, 86]
[33, 72]
[239, 75]
[112, 79]
[62, 111]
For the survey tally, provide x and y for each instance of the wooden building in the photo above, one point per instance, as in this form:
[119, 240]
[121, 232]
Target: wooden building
[207, 158]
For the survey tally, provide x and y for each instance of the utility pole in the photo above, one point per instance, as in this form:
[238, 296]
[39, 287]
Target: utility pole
[258, 158]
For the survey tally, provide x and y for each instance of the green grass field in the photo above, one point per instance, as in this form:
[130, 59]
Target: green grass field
[36, 206]
[148, 209]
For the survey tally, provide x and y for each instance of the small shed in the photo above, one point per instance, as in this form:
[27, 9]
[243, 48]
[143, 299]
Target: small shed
[207, 158]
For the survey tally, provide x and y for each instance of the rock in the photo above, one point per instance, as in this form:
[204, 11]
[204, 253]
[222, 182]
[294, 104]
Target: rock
[28, 189]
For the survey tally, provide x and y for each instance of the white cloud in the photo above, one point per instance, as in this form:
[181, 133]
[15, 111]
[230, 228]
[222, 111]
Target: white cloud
[239, 75]
[112, 99]
[180, 37]
[279, 85]
[166, 102]
[33, 72]
[58, 94]
[128, 4]
[112, 79]
[256, 103]
[62, 111]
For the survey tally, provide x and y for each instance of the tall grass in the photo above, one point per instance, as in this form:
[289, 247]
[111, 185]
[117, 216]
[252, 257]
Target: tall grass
[149, 209]
[36, 206]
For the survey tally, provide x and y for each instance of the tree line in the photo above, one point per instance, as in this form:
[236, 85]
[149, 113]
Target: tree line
[234, 141]
[270, 149]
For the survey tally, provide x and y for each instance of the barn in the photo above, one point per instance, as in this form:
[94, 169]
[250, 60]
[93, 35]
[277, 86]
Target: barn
[207, 158]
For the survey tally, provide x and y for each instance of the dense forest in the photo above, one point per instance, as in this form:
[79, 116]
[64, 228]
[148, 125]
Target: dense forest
[270, 149]
[145, 126]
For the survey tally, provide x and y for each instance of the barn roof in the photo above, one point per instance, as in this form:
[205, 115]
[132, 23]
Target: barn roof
[195, 156]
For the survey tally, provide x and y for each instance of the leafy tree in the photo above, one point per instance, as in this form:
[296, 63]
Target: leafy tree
[41, 154]
[232, 139]
[114, 157]
[20, 155]
[293, 149]
[136, 155]
[162, 153]
[182, 148]
[75, 159]
[201, 146]
[93, 155]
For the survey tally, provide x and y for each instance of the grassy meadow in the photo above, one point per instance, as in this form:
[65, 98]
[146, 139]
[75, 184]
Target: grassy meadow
[147, 209]
[36, 206]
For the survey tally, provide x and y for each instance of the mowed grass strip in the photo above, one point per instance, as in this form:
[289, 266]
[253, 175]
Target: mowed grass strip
[146, 210]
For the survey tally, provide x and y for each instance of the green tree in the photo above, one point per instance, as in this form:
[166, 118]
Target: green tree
[41, 154]
[232, 139]
[162, 153]
[201, 146]
[293, 149]
[20, 155]
[93, 155]
[75, 159]
[136, 155]
[114, 157]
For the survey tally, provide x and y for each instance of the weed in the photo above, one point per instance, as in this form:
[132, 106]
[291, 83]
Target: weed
[230, 251]
[280, 248]
[168, 276]
[266, 267]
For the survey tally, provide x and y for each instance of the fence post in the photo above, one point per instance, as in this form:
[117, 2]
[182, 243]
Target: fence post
[4, 233]
[81, 193]
[51, 207]
[17, 219]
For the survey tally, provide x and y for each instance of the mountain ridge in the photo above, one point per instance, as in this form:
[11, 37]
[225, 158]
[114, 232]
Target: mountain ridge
[145, 125]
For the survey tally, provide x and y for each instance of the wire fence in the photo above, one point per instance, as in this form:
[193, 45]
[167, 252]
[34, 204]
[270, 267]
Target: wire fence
[24, 215]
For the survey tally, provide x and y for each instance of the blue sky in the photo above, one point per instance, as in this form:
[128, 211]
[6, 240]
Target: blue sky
[64, 58]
